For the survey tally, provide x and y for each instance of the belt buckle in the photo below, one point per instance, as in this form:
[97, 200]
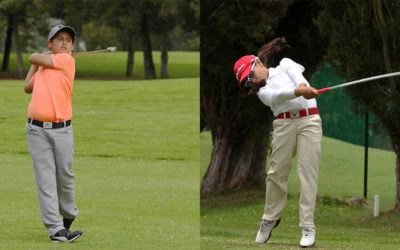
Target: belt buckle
[294, 115]
[47, 125]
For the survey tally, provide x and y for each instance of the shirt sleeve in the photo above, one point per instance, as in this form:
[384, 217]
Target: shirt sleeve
[272, 97]
[63, 61]
[294, 71]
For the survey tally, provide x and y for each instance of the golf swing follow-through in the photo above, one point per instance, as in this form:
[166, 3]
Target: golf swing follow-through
[297, 129]
[50, 80]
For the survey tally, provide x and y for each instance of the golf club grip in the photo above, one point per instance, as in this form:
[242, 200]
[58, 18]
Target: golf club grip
[320, 91]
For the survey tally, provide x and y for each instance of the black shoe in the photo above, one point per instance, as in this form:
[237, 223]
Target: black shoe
[67, 223]
[64, 235]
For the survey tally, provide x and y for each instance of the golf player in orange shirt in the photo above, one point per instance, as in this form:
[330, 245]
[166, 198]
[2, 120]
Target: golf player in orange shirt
[50, 80]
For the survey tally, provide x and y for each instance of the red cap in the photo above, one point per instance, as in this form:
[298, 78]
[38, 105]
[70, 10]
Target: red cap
[242, 67]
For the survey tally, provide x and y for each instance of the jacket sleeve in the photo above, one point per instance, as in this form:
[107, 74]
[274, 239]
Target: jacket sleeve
[272, 97]
[294, 71]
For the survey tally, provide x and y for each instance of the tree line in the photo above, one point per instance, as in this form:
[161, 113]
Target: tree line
[129, 24]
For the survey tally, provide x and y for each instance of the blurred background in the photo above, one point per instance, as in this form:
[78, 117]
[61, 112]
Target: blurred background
[139, 29]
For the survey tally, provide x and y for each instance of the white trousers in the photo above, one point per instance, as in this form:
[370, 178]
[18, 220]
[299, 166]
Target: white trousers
[290, 136]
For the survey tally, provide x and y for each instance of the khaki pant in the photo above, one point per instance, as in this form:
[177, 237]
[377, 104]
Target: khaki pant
[291, 136]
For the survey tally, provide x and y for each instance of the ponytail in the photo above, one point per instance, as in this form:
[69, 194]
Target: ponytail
[271, 53]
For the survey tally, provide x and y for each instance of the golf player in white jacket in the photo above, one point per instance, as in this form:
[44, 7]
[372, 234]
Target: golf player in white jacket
[297, 129]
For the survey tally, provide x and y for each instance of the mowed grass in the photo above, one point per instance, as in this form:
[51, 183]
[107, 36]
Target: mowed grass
[181, 64]
[234, 224]
[136, 165]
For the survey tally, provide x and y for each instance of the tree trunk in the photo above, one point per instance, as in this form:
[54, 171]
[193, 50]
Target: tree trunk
[8, 42]
[20, 62]
[148, 57]
[164, 56]
[395, 140]
[236, 163]
[380, 20]
[131, 54]
[397, 205]
[214, 179]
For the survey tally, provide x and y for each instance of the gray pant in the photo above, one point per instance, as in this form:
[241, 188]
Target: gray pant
[52, 152]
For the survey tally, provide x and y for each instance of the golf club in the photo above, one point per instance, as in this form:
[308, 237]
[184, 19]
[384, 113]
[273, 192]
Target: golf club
[109, 49]
[320, 91]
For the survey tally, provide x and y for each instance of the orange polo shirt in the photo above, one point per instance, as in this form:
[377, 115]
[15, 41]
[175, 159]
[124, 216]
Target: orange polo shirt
[52, 90]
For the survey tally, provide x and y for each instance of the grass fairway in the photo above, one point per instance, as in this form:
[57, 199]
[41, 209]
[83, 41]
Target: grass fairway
[136, 166]
[234, 224]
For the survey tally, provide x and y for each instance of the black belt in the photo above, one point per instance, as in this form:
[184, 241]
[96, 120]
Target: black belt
[50, 124]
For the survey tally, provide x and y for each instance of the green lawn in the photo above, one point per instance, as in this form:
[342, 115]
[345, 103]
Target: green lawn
[182, 64]
[136, 166]
[234, 224]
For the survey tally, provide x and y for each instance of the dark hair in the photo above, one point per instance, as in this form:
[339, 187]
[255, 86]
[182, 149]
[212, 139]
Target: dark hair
[243, 87]
[272, 52]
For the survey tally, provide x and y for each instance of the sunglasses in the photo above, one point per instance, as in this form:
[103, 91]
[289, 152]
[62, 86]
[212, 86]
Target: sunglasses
[250, 77]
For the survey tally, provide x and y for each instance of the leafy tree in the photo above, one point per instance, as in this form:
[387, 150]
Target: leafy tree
[130, 18]
[363, 41]
[99, 35]
[239, 125]
[123, 17]
[20, 16]
[75, 13]
[181, 14]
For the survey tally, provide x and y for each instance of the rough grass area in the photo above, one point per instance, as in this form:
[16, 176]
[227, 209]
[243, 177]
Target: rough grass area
[136, 166]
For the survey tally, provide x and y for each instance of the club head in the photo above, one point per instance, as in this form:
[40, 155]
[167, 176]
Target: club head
[112, 49]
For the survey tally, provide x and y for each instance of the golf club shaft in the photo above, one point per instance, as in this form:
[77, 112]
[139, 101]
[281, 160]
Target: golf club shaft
[91, 52]
[320, 91]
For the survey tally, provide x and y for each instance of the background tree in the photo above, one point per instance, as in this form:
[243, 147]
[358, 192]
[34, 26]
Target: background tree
[128, 24]
[20, 16]
[148, 9]
[168, 13]
[98, 35]
[125, 17]
[122, 17]
[240, 126]
[363, 41]
[130, 19]
[9, 9]
[75, 13]
[179, 15]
